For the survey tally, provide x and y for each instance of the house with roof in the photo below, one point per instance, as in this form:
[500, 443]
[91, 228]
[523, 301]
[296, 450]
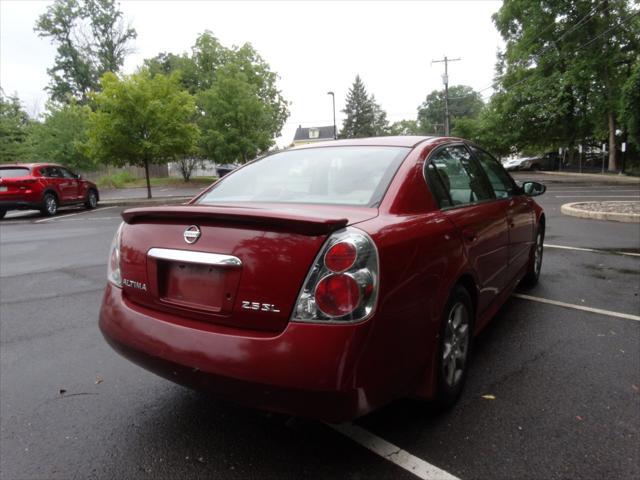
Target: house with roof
[313, 134]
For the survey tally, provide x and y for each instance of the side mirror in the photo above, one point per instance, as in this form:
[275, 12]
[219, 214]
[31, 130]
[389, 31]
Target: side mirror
[78, 176]
[533, 189]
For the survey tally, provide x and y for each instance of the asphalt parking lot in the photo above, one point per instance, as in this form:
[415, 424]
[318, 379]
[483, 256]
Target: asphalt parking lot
[553, 392]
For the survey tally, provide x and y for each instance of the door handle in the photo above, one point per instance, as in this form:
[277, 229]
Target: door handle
[469, 235]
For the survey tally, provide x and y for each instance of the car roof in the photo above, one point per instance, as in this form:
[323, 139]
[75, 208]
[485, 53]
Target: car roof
[409, 141]
[30, 165]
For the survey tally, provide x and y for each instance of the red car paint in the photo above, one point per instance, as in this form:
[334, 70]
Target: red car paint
[323, 370]
[27, 189]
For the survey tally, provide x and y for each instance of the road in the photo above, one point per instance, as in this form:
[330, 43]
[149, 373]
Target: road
[566, 382]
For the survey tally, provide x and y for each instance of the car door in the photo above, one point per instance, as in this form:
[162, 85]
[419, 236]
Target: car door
[519, 210]
[73, 186]
[467, 200]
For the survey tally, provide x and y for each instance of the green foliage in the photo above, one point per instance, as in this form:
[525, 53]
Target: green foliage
[561, 74]
[405, 127]
[91, 39]
[62, 136]
[232, 85]
[365, 118]
[14, 130]
[464, 102]
[141, 120]
[631, 104]
[236, 124]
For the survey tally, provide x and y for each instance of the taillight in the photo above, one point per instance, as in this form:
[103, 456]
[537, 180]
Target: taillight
[342, 285]
[113, 268]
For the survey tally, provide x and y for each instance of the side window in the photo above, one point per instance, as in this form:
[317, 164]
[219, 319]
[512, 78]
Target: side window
[500, 180]
[66, 173]
[460, 176]
[54, 172]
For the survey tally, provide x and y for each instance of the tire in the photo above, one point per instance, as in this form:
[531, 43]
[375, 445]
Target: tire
[92, 200]
[535, 261]
[454, 347]
[3, 212]
[49, 205]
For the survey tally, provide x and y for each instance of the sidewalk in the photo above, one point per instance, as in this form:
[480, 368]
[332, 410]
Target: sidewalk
[138, 195]
[573, 177]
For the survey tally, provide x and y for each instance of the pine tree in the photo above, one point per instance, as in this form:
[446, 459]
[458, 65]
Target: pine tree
[360, 111]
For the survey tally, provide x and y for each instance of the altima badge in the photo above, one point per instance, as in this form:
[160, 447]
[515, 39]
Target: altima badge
[191, 234]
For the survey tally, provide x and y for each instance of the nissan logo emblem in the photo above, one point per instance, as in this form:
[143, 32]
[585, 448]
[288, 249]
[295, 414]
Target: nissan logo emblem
[191, 234]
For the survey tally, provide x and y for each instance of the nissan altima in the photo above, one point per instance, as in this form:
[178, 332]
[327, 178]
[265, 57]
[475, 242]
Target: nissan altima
[327, 280]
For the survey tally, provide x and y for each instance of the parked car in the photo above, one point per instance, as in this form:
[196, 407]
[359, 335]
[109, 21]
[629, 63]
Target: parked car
[548, 161]
[326, 280]
[44, 187]
[225, 168]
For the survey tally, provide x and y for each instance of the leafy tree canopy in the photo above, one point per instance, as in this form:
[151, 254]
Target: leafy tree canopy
[91, 39]
[210, 62]
[561, 74]
[236, 123]
[61, 137]
[464, 102]
[14, 130]
[141, 120]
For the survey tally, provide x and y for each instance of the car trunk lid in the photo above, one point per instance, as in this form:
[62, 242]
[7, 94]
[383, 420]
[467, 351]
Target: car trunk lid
[244, 269]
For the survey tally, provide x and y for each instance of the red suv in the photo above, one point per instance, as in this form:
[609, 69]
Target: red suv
[44, 187]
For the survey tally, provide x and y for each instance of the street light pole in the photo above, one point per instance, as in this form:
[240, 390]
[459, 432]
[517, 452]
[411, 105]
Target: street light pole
[445, 80]
[333, 98]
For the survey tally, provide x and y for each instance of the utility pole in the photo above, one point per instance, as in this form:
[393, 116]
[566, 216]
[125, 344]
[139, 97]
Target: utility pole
[445, 80]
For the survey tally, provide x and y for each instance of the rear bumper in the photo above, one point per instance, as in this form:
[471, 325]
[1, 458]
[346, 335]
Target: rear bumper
[19, 205]
[307, 370]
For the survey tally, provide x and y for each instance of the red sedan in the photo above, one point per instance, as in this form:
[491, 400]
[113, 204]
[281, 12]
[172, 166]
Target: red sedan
[327, 280]
[44, 187]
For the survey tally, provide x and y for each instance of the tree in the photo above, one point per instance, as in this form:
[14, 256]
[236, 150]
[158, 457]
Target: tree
[464, 102]
[631, 104]
[236, 123]
[365, 118]
[141, 120]
[247, 79]
[14, 130]
[91, 39]
[562, 69]
[61, 138]
[405, 127]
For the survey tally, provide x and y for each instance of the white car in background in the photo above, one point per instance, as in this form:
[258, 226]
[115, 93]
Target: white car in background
[521, 163]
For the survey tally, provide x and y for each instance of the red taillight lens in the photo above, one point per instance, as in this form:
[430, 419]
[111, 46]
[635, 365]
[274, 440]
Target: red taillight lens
[337, 295]
[340, 257]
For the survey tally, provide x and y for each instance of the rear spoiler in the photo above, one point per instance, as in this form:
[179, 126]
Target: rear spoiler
[294, 220]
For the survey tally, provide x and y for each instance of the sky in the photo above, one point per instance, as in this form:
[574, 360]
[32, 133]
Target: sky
[315, 47]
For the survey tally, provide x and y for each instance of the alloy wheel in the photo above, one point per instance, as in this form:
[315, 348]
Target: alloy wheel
[456, 344]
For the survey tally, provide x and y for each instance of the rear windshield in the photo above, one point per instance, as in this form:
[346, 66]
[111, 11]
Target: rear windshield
[13, 172]
[328, 175]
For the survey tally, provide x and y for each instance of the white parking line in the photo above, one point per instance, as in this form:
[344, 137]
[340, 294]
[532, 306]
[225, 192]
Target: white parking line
[600, 311]
[59, 217]
[391, 452]
[598, 196]
[593, 250]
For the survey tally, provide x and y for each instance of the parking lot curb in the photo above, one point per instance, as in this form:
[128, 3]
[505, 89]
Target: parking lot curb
[612, 178]
[131, 202]
[572, 209]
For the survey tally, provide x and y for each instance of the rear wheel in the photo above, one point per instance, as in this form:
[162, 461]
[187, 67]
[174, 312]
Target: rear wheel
[535, 263]
[92, 200]
[455, 346]
[49, 205]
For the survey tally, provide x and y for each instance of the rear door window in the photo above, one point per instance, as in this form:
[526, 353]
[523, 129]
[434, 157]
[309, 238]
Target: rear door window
[461, 177]
[500, 180]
